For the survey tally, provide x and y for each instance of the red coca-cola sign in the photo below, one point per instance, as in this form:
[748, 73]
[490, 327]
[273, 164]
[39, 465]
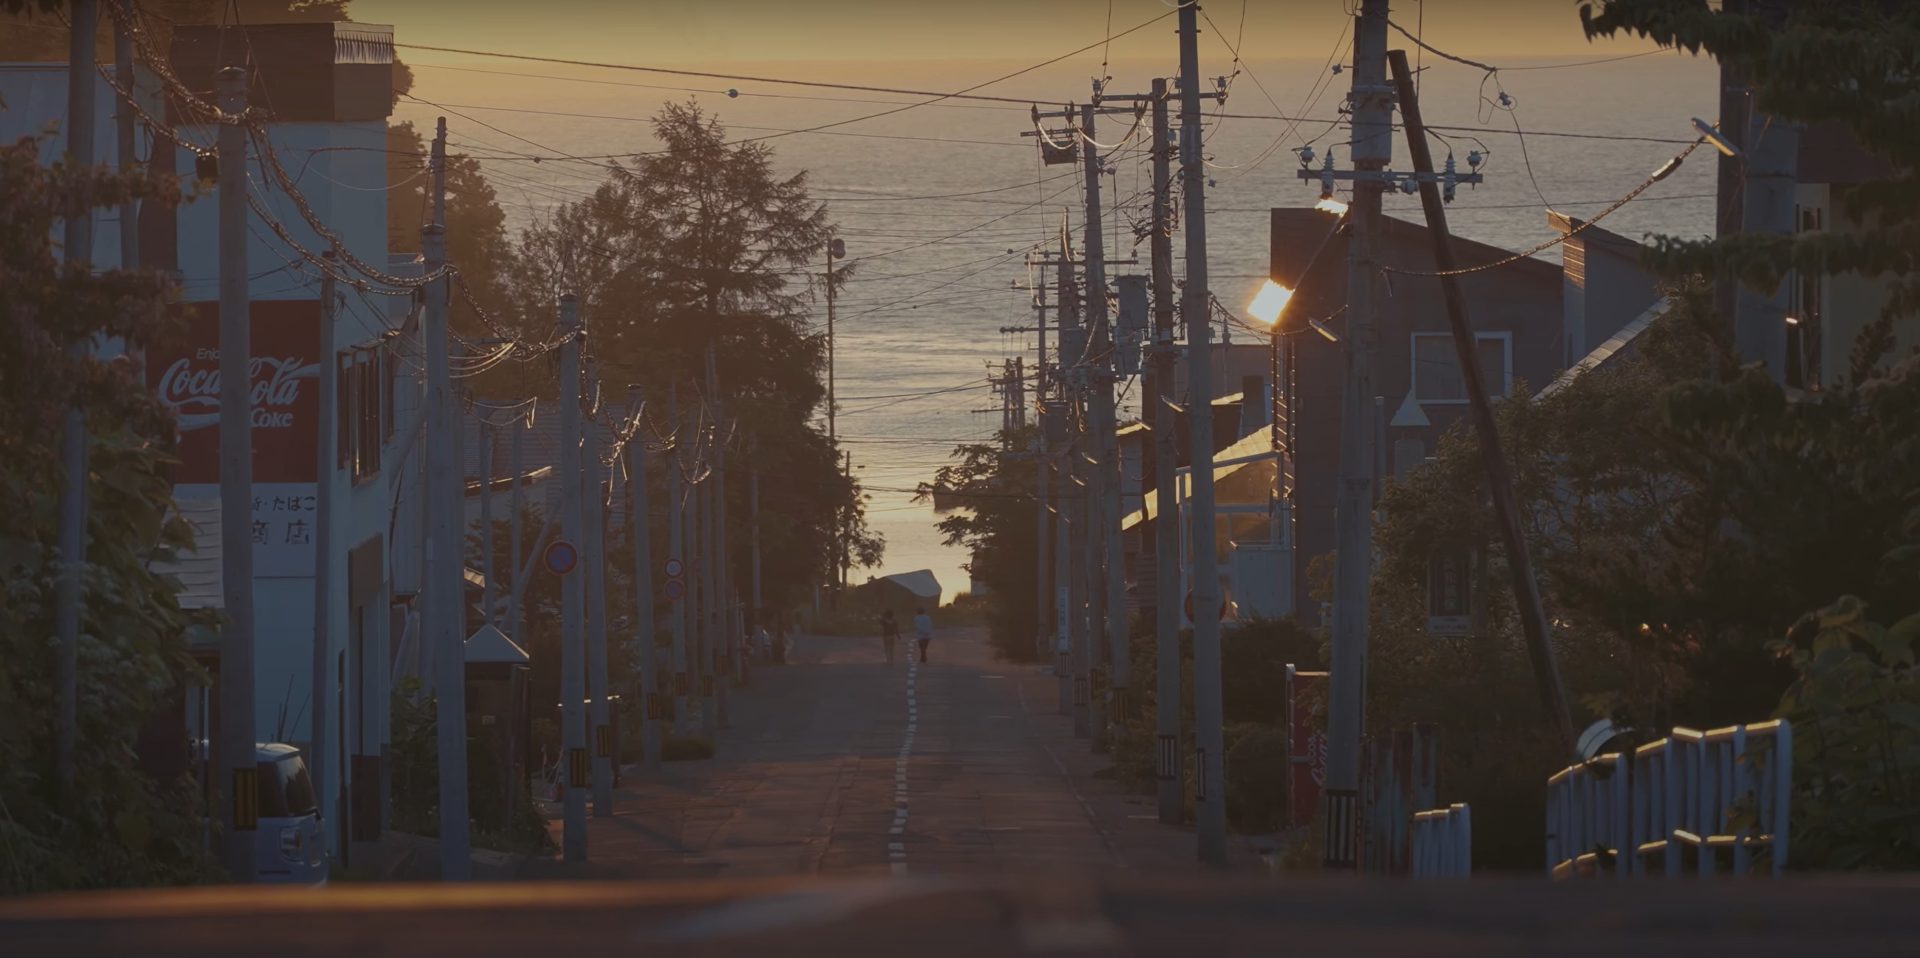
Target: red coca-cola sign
[285, 391]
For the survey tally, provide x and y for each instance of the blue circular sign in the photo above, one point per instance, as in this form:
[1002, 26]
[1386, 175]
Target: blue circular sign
[561, 557]
[675, 589]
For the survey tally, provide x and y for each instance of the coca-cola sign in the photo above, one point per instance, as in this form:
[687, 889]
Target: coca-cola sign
[284, 370]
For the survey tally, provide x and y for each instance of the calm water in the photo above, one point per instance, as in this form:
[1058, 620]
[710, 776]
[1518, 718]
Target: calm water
[927, 307]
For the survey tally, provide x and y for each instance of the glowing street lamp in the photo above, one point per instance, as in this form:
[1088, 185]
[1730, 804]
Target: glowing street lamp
[1269, 303]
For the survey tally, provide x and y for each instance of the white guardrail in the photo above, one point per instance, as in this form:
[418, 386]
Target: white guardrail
[1442, 842]
[1635, 816]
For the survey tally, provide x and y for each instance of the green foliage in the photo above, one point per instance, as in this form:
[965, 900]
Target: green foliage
[695, 245]
[415, 754]
[995, 523]
[116, 826]
[1852, 61]
[1855, 709]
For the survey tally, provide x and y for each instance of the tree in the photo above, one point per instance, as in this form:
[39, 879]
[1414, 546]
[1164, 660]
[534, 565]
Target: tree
[118, 826]
[1852, 61]
[697, 245]
[993, 519]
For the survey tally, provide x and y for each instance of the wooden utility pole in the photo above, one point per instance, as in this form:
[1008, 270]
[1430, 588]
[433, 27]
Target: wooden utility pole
[1526, 590]
[573, 672]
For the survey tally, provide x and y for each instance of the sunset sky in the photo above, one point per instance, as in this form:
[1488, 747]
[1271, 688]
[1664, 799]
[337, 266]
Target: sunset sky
[763, 30]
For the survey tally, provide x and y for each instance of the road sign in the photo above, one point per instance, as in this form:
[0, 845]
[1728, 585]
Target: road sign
[675, 589]
[1189, 607]
[675, 569]
[561, 557]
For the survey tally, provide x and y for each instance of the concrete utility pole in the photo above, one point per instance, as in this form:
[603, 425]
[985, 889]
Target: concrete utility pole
[1118, 646]
[1166, 522]
[712, 601]
[236, 475]
[514, 625]
[1074, 485]
[1533, 618]
[327, 462]
[77, 247]
[1100, 526]
[573, 604]
[593, 559]
[485, 420]
[725, 606]
[753, 508]
[445, 586]
[1372, 103]
[1042, 475]
[640, 529]
[677, 506]
[1209, 734]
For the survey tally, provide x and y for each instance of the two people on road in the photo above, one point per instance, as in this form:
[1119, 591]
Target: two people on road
[889, 633]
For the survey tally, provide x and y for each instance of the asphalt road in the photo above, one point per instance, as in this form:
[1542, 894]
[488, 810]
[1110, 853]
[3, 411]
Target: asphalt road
[842, 764]
[858, 808]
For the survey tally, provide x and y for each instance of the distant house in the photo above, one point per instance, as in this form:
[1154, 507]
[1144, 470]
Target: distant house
[905, 591]
[1531, 320]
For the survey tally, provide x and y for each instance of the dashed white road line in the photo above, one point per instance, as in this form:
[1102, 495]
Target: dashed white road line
[896, 848]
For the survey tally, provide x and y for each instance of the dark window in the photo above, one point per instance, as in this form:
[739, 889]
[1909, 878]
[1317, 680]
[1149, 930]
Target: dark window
[285, 789]
[369, 430]
[1436, 367]
[343, 410]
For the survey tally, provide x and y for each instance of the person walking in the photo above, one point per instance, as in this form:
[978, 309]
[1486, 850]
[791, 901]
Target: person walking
[923, 629]
[889, 633]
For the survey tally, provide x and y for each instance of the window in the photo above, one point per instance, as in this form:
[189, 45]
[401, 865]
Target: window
[343, 411]
[1436, 368]
[360, 413]
[286, 791]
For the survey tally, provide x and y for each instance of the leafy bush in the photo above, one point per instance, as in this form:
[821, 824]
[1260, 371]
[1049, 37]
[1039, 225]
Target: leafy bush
[1855, 709]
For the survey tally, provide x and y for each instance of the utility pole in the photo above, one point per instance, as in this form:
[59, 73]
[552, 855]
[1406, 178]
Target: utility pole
[835, 249]
[1209, 734]
[327, 462]
[1042, 475]
[77, 247]
[128, 159]
[679, 614]
[640, 529]
[593, 559]
[514, 625]
[236, 473]
[1119, 641]
[485, 420]
[1166, 522]
[1372, 104]
[445, 586]
[1533, 618]
[1073, 357]
[753, 508]
[723, 576]
[712, 600]
[573, 672]
[1105, 640]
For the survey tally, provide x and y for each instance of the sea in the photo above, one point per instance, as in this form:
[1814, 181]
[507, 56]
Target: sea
[939, 204]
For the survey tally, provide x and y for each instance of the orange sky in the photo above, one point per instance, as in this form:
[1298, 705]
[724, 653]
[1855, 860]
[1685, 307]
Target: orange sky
[657, 31]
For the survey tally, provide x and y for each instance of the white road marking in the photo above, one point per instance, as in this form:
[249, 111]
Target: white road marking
[897, 850]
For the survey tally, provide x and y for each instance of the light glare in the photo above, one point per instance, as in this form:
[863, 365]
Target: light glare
[1269, 302]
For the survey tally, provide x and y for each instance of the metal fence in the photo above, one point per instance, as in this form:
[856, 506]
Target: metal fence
[1692, 796]
[1442, 842]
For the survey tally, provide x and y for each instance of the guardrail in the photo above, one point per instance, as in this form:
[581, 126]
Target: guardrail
[1726, 791]
[1443, 842]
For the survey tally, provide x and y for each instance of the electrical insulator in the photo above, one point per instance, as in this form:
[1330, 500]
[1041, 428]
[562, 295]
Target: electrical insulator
[1326, 176]
[1474, 159]
[1447, 183]
[1408, 186]
[1306, 156]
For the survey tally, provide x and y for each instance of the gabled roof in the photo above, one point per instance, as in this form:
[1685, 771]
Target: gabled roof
[1621, 343]
[920, 582]
[1252, 444]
